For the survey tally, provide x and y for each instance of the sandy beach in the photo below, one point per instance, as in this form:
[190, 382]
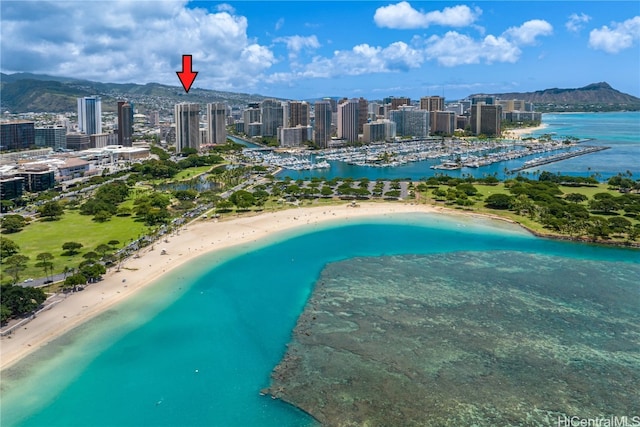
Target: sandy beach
[523, 132]
[197, 238]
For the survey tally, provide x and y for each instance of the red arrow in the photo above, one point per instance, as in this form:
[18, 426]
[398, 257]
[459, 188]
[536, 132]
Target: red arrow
[186, 76]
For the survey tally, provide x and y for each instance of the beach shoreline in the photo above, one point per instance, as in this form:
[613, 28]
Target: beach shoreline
[524, 132]
[204, 236]
[195, 239]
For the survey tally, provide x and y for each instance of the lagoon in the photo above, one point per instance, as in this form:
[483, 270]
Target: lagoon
[197, 347]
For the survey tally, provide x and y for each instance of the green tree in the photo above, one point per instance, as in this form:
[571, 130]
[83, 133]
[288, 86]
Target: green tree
[73, 281]
[499, 201]
[242, 199]
[6, 205]
[93, 272]
[575, 197]
[5, 314]
[619, 224]
[224, 206]
[185, 194]
[15, 264]
[467, 188]
[522, 204]
[603, 204]
[187, 151]
[102, 216]
[152, 208]
[51, 211]
[102, 249]
[13, 223]
[44, 262]
[261, 197]
[8, 248]
[91, 256]
[598, 227]
[71, 248]
[21, 300]
[326, 191]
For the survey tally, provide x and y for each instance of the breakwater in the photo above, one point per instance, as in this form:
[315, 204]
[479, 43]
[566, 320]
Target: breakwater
[558, 157]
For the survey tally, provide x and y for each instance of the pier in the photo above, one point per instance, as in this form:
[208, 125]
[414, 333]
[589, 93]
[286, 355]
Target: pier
[558, 157]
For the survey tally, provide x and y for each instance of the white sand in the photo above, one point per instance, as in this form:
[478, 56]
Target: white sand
[523, 132]
[199, 237]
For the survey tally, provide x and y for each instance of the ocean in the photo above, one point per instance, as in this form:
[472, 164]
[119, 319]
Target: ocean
[618, 130]
[196, 348]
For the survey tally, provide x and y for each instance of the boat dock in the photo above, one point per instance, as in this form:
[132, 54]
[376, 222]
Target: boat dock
[558, 157]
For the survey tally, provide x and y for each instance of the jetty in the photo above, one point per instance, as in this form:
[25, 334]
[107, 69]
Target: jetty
[558, 157]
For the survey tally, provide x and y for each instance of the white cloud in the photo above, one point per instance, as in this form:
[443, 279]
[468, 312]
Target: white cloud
[140, 42]
[454, 49]
[403, 16]
[575, 22]
[621, 36]
[295, 44]
[224, 7]
[526, 33]
[365, 59]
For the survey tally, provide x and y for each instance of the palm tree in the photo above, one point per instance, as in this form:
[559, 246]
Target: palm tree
[68, 270]
[44, 261]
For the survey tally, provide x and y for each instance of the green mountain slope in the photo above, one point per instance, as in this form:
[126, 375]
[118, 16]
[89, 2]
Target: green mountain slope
[594, 97]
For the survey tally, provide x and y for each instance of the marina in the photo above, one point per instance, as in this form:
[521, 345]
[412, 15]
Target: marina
[453, 154]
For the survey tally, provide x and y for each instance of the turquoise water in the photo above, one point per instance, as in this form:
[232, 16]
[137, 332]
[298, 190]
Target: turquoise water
[196, 349]
[620, 131]
[480, 338]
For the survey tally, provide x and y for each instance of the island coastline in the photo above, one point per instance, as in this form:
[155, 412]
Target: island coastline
[201, 237]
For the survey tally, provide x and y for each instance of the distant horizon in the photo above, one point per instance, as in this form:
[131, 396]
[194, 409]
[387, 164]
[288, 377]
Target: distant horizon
[413, 98]
[307, 49]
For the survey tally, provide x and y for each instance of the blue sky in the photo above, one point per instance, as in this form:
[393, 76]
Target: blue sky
[307, 49]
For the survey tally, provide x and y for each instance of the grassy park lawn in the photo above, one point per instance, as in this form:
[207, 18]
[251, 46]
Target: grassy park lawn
[49, 236]
[589, 191]
[191, 172]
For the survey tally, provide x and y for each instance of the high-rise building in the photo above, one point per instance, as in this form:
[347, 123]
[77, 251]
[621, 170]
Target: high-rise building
[187, 118]
[272, 115]
[17, 135]
[396, 103]
[90, 115]
[298, 114]
[154, 118]
[11, 187]
[125, 123]
[348, 117]
[486, 119]
[374, 131]
[251, 115]
[294, 136]
[432, 103]
[486, 99]
[322, 112]
[443, 122]
[51, 136]
[217, 123]
[456, 107]
[363, 113]
[410, 121]
[78, 141]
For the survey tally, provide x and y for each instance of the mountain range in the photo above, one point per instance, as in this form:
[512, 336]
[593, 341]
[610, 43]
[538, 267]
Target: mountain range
[26, 92]
[594, 97]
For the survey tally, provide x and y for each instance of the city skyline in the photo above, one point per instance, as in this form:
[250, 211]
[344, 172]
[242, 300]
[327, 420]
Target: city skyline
[306, 50]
